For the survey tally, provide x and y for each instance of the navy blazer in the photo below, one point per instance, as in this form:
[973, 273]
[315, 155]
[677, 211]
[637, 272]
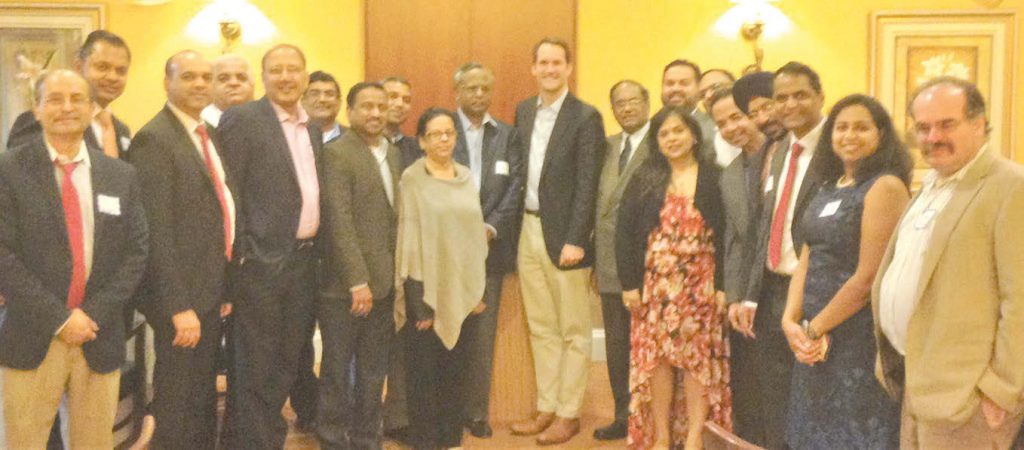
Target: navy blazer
[35, 260]
[569, 177]
[26, 126]
[255, 151]
[501, 190]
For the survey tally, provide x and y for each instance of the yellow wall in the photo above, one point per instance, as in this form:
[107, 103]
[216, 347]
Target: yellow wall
[330, 33]
[634, 39]
[616, 39]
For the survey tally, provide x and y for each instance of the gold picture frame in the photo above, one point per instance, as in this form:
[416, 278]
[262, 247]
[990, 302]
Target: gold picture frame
[910, 47]
[36, 37]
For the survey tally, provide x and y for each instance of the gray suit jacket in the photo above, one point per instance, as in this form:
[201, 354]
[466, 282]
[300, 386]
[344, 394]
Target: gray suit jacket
[362, 225]
[707, 134]
[741, 198]
[609, 193]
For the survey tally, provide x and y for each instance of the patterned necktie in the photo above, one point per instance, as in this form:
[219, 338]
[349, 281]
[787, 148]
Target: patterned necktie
[73, 219]
[779, 220]
[624, 156]
[109, 140]
[218, 186]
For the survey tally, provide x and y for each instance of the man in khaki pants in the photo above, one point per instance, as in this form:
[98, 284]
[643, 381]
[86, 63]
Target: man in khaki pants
[73, 243]
[562, 142]
[949, 299]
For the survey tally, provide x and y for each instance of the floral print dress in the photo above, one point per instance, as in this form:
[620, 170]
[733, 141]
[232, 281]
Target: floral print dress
[679, 323]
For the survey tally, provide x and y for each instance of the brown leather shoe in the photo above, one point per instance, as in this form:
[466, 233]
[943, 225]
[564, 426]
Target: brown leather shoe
[560, 431]
[529, 427]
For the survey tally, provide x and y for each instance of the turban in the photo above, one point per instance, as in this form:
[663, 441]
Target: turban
[758, 84]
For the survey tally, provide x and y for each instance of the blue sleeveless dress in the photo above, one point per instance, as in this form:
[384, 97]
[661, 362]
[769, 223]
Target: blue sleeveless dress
[837, 403]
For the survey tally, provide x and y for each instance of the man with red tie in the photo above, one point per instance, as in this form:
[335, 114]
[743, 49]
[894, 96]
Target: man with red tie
[73, 244]
[191, 216]
[789, 188]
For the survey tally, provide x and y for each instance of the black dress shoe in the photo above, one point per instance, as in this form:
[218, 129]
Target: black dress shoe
[479, 428]
[614, 431]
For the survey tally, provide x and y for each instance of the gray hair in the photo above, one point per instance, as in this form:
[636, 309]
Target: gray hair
[461, 72]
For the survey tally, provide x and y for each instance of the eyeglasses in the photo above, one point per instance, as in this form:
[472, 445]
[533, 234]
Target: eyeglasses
[437, 134]
[634, 102]
[764, 110]
[316, 93]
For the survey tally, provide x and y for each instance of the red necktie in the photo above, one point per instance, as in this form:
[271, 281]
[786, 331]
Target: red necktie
[218, 186]
[73, 218]
[779, 220]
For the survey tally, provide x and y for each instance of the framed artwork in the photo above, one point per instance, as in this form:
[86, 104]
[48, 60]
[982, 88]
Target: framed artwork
[911, 47]
[34, 38]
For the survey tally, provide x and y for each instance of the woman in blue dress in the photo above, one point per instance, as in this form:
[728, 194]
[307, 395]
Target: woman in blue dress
[835, 402]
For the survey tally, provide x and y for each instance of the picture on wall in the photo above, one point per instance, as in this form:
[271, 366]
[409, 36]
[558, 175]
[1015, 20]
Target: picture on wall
[909, 48]
[34, 38]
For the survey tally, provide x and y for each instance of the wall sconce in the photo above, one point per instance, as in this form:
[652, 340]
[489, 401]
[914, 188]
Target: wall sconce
[752, 20]
[228, 22]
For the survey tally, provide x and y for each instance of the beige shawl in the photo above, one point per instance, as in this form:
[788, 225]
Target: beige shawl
[442, 242]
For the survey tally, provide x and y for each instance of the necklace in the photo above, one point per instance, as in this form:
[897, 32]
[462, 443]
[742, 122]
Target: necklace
[843, 181]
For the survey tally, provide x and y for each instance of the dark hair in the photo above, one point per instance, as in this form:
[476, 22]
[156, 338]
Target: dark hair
[263, 61]
[654, 173]
[891, 157]
[553, 41]
[396, 80]
[718, 95]
[324, 77]
[794, 68]
[727, 74]
[643, 90]
[685, 63]
[359, 87]
[974, 102]
[101, 35]
[431, 114]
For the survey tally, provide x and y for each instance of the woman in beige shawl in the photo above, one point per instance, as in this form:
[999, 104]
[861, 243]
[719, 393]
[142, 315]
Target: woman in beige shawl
[442, 248]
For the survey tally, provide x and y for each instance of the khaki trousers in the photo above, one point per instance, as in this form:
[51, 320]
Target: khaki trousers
[975, 434]
[31, 398]
[557, 304]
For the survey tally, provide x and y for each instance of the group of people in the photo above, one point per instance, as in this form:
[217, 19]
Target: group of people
[736, 239]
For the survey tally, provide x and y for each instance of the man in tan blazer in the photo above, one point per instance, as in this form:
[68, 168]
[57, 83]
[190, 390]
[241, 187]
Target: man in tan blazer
[626, 151]
[949, 299]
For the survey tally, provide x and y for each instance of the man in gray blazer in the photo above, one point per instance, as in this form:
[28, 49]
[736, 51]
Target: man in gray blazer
[356, 295]
[486, 146]
[626, 151]
[741, 195]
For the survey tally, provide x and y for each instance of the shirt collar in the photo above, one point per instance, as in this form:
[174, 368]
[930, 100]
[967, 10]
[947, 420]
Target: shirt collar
[333, 132]
[935, 179]
[82, 156]
[810, 140]
[284, 116]
[639, 133]
[556, 105]
[488, 120]
[96, 109]
[185, 119]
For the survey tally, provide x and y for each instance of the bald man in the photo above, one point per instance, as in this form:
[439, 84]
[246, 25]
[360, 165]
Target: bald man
[73, 244]
[191, 216]
[232, 85]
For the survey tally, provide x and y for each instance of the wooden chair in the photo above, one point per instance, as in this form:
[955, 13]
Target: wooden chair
[133, 396]
[718, 438]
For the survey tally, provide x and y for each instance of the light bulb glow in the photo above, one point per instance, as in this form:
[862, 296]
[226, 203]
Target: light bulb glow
[750, 11]
[205, 26]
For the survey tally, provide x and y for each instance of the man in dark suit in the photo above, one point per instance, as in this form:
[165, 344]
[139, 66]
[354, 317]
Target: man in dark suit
[399, 105]
[680, 86]
[191, 217]
[740, 185]
[273, 151]
[562, 142]
[103, 61]
[626, 151]
[487, 147]
[73, 244]
[356, 310]
[798, 99]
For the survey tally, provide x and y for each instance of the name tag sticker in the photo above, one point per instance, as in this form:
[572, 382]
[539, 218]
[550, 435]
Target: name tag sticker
[108, 205]
[830, 208]
[501, 167]
[769, 183]
[125, 142]
[924, 219]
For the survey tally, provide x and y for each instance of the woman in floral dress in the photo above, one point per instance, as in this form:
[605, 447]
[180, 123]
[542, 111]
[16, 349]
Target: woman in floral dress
[668, 247]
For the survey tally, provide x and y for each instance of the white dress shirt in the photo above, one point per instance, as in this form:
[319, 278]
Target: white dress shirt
[543, 125]
[211, 114]
[634, 140]
[191, 125]
[788, 261]
[380, 153]
[725, 152]
[898, 295]
[475, 144]
[81, 177]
